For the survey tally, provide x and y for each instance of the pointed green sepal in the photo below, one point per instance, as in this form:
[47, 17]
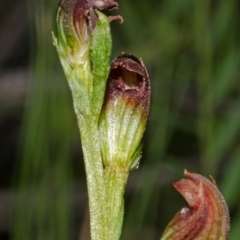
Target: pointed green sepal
[100, 51]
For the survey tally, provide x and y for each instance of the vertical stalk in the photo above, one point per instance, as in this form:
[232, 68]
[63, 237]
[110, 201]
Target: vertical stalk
[94, 173]
[115, 180]
[105, 186]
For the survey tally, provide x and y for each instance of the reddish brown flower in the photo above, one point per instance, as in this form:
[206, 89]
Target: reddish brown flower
[207, 216]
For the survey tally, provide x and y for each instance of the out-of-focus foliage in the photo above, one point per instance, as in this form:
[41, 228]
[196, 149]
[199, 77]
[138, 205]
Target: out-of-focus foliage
[43, 174]
[192, 52]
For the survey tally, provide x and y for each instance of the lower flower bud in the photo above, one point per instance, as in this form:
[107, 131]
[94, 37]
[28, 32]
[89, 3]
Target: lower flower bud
[125, 111]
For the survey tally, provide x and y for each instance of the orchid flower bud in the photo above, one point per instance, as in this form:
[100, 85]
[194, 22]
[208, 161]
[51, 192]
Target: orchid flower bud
[207, 216]
[125, 112]
[84, 46]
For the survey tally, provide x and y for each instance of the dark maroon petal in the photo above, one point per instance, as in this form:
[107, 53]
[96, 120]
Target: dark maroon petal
[82, 14]
[129, 79]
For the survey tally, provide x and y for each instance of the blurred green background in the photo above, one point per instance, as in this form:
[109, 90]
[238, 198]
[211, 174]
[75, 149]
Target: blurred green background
[192, 51]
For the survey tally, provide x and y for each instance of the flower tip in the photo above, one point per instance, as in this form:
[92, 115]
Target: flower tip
[186, 173]
[212, 180]
[108, 5]
[116, 17]
[76, 19]
[105, 4]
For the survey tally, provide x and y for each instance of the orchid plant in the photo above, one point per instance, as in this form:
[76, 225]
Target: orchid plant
[111, 103]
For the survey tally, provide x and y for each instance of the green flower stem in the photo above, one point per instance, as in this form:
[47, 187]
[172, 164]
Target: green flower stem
[115, 179]
[105, 186]
[94, 172]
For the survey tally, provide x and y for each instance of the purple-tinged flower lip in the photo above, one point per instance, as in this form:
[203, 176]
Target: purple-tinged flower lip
[128, 74]
[130, 63]
[128, 80]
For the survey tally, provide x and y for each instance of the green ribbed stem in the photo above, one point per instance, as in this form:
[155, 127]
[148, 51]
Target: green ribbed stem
[115, 181]
[105, 186]
[95, 181]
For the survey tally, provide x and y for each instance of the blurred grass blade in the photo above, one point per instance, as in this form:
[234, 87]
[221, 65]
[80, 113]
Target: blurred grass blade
[230, 182]
[43, 174]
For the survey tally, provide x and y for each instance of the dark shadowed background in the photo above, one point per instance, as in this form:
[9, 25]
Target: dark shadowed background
[192, 52]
